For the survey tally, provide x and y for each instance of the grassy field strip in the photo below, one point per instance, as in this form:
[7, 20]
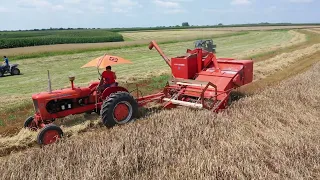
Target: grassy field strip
[175, 35]
[297, 39]
[271, 135]
[270, 66]
[51, 50]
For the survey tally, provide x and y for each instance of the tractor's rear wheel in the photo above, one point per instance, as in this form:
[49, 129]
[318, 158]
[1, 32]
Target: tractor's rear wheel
[119, 108]
[49, 134]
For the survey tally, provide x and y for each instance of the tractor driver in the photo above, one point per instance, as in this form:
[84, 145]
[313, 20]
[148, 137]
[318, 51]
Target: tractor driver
[108, 79]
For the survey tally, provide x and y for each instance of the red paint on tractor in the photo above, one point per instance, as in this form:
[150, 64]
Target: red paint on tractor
[50, 137]
[121, 112]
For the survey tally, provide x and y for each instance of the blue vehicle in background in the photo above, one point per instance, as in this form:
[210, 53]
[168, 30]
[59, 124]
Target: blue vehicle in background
[9, 68]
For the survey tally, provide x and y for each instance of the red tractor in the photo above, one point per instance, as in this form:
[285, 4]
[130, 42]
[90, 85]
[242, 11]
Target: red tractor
[200, 80]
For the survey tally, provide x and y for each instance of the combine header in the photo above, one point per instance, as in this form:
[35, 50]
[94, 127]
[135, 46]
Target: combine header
[199, 80]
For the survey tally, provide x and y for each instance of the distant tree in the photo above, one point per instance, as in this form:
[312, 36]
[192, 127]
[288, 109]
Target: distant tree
[185, 24]
[220, 24]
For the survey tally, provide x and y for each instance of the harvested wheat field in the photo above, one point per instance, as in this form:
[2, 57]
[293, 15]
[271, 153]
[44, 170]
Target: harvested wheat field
[171, 34]
[271, 135]
[258, 28]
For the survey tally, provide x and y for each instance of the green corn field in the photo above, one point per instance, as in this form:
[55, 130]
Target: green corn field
[36, 38]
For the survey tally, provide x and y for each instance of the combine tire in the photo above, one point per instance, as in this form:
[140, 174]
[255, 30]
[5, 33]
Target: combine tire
[15, 71]
[49, 134]
[28, 122]
[119, 108]
[1, 74]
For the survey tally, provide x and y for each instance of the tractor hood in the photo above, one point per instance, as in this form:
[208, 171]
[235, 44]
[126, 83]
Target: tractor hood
[63, 94]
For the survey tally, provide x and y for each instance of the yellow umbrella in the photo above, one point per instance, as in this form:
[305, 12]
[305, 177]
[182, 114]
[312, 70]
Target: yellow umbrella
[106, 60]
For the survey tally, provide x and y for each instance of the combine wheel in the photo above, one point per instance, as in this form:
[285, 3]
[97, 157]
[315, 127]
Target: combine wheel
[119, 108]
[1, 74]
[49, 134]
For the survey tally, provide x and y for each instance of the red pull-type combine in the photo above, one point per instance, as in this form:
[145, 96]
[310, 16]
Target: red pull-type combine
[200, 80]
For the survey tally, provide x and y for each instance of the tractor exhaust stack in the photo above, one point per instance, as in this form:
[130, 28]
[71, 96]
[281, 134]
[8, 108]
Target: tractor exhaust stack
[72, 78]
[49, 83]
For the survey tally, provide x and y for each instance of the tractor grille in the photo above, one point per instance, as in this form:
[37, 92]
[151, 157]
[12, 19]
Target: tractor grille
[36, 107]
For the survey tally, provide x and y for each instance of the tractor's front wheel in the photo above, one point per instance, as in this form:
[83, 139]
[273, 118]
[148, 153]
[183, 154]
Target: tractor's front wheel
[49, 134]
[28, 122]
[119, 108]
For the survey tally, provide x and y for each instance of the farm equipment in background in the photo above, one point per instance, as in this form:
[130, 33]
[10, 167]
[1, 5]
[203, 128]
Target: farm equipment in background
[199, 80]
[11, 69]
[206, 45]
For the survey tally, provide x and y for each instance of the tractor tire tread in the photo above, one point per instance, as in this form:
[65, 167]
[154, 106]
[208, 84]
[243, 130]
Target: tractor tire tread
[28, 121]
[48, 127]
[109, 103]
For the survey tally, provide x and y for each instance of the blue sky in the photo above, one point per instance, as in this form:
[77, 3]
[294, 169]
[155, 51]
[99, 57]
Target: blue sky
[30, 14]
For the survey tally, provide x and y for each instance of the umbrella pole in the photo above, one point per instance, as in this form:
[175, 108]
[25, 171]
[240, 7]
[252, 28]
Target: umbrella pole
[98, 65]
[99, 73]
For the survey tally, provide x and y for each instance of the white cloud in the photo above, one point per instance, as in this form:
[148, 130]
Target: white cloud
[41, 5]
[218, 10]
[124, 6]
[167, 4]
[4, 10]
[174, 11]
[240, 2]
[34, 3]
[171, 6]
[72, 1]
[301, 1]
[119, 10]
[122, 3]
[58, 7]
